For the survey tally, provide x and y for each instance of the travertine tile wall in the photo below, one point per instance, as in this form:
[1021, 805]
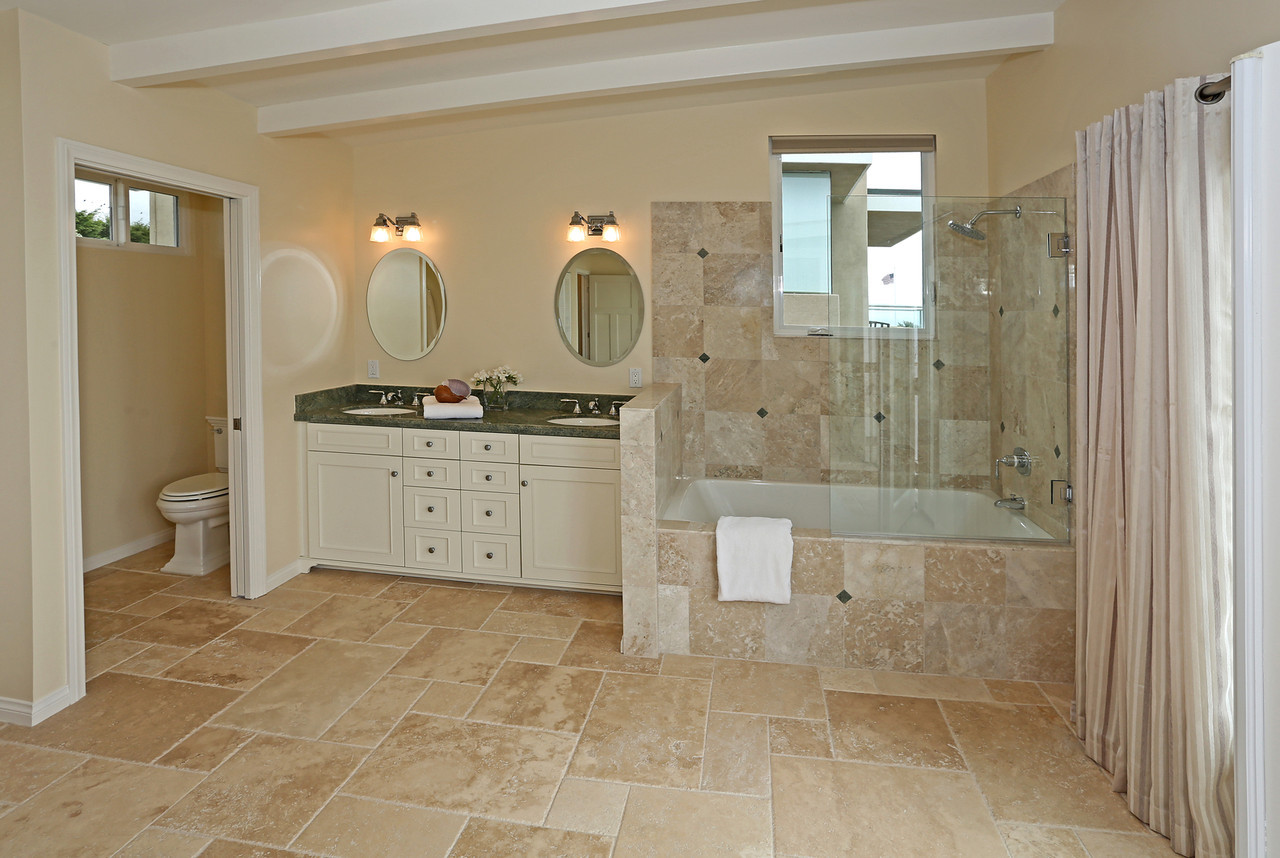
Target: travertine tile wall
[892, 412]
[651, 453]
[1032, 312]
[960, 609]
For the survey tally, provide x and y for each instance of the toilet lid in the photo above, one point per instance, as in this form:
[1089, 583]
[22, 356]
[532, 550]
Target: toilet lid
[199, 487]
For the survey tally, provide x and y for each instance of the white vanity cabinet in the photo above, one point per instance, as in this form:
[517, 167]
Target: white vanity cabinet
[571, 510]
[485, 506]
[354, 500]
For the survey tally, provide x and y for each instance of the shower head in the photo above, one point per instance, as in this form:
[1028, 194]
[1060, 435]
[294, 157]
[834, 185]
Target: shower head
[967, 230]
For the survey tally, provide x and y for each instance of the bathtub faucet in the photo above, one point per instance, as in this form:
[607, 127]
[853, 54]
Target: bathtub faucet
[1012, 502]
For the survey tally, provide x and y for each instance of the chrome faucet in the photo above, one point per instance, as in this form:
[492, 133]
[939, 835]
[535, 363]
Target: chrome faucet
[417, 397]
[577, 406]
[613, 409]
[382, 393]
[394, 398]
[1019, 461]
[1012, 502]
[594, 406]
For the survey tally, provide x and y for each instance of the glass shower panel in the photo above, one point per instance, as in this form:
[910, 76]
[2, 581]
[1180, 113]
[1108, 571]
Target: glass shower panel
[920, 408]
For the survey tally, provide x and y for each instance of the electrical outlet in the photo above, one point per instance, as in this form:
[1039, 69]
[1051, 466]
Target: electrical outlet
[636, 379]
[373, 369]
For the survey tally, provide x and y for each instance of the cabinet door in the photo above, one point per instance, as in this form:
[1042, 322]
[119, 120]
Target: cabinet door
[570, 521]
[355, 508]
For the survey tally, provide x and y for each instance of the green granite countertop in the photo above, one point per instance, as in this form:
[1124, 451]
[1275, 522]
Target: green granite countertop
[527, 413]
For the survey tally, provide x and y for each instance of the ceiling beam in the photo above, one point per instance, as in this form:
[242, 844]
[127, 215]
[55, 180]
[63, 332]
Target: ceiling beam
[381, 26]
[842, 51]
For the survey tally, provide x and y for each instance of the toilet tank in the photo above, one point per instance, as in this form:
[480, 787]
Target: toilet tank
[220, 438]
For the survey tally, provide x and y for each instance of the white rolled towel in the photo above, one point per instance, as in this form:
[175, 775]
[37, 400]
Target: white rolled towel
[753, 559]
[432, 409]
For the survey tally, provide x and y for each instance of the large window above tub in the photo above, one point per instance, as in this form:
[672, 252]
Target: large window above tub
[850, 235]
[112, 211]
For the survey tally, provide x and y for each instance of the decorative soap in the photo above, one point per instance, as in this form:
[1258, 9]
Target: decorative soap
[444, 393]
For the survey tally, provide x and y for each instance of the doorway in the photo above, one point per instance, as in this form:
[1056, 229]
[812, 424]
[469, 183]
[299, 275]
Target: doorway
[241, 268]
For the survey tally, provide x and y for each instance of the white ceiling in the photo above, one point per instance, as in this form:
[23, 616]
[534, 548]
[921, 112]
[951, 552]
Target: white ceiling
[358, 66]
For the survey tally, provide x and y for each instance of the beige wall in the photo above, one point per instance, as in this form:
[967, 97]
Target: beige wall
[306, 209]
[149, 321]
[1105, 55]
[495, 205]
[15, 469]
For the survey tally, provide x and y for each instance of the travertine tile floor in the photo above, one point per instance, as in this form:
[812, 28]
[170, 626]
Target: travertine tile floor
[351, 714]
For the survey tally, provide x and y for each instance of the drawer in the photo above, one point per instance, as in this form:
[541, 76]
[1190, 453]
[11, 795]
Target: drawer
[570, 452]
[436, 473]
[433, 549]
[336, 438]
[494, 555]
[490, 447]
[431, 443]
[428, 507]
[490, 512]
[491, 477]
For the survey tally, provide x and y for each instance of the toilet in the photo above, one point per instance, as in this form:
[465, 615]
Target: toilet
[200, 508]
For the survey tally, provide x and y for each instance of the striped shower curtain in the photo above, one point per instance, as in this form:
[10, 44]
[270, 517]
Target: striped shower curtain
[1154, 358]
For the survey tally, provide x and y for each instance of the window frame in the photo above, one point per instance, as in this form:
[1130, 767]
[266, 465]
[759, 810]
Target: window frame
[926, 145]
[120, 240]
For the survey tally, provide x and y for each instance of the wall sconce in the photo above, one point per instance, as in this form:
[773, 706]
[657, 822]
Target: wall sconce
[409, 228]
[605, 226]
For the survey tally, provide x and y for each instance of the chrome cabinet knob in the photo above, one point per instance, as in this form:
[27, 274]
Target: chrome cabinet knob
[431, 509]
[488, 555]
[524, 482]
[488, 512]
[488, 478]
[488, 447]
[431, 550]
[431, 473]
[395, 473]
[431, 443]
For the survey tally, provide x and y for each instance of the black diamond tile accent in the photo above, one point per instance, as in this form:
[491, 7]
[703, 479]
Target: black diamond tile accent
[1057, 451]
[1002, 311]
[1056, 311]
[1001, 425]
[763, 413]
[844, 597]
[704, 357]
[938, 364]
[703, 253]
[880, 418]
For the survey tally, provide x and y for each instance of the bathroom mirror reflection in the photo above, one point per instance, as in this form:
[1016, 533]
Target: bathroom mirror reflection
[599, 306]
[406, 303]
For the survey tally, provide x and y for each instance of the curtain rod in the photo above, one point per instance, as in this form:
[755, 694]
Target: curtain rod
[1212, 93]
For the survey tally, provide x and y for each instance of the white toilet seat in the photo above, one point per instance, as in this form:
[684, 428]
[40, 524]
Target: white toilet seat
[198, 488]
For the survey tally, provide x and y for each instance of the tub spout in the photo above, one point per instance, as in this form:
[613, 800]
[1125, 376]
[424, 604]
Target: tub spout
[1012, 502]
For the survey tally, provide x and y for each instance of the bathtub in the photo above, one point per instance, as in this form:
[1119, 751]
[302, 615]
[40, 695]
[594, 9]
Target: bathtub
[950, 513]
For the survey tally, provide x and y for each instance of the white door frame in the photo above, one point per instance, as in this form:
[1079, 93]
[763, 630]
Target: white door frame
[242, 266]
[1255, 134]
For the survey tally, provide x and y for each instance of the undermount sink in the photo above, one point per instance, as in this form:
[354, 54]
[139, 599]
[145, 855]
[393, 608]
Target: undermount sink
[583, 421]
[378, 411]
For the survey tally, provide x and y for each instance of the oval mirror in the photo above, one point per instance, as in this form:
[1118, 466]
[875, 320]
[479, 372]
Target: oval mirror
[406, 303]
[599, 307]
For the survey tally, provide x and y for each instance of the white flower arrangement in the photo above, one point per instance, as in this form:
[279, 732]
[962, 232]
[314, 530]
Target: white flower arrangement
[497, 378]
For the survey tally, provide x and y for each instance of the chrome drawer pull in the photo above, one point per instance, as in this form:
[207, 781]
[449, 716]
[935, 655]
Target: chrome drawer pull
[488, 447]
[431, 550]
[488, 478]
[431, 509]
[488, 512]
[431, 443]
[431, 473]
[488, 556]
[524, 482]
[395, 473]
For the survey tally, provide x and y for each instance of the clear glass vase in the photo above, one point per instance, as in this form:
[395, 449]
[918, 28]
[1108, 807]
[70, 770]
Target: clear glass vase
[495, 399]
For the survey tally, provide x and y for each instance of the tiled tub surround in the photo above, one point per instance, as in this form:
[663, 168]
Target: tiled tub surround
[995, 610]
[798, 409]
[992, 610]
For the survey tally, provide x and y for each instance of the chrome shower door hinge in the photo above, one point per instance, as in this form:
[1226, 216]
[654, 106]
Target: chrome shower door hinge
[1066, 494]
[1059, 244]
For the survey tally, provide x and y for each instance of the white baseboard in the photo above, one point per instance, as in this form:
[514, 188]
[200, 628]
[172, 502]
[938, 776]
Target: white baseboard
[27, 714]
[128, 549]
[290, 570]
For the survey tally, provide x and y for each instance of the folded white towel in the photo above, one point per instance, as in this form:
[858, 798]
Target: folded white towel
[467, 408]
[753, 559]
